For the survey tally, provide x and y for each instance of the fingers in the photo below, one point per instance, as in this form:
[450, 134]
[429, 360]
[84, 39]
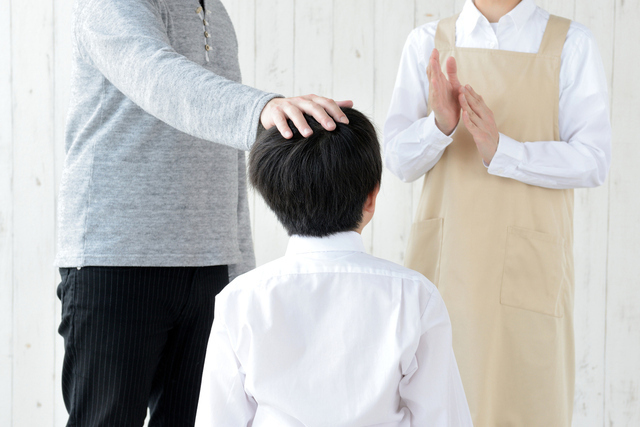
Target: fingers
[280, 121]
[452, 73]
[345, 104]
[470, 113]
[435, 72]
[471, 127]
[332, 108]
[476, 102]
[294, 113]
[324, 110]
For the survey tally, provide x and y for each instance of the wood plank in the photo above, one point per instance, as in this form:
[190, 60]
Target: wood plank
[565, 9]
[62, 83]
[392, 220]
[353, 59]
[6, 220]
[622, 376]
[433, 10]
[313, 48]
[591, 230]
[243, 16]
[274, 72]
[33, 222]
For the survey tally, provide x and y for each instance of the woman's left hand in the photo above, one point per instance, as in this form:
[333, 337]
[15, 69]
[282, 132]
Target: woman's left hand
[478, 119]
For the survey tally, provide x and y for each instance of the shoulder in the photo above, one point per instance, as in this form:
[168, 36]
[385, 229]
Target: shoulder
[383, 267]
[579, 37]
[423, 35]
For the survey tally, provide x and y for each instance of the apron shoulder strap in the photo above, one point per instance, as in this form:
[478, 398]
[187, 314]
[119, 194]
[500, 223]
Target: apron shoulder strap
[554, 36]
[446, 34]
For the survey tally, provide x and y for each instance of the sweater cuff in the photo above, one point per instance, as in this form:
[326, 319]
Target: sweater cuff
[255, 127]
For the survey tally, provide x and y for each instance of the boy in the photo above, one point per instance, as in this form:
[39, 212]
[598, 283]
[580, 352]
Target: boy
[328, 335]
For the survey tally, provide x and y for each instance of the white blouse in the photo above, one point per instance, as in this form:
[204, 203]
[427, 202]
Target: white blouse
[414, 144]
[330, 336]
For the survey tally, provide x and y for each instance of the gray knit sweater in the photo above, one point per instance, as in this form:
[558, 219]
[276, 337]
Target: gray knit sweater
[154, 172]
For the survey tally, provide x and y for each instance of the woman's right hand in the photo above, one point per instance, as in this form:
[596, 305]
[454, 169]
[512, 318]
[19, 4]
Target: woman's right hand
[444, 93]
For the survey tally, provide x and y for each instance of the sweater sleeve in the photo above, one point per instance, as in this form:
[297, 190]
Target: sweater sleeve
[126, 40]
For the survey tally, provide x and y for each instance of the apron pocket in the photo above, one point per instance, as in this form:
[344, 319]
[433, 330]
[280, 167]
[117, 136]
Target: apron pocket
[533, 271]
[423, 249]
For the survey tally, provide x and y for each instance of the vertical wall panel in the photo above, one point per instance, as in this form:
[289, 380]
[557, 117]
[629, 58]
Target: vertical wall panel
[353, 53]
[243, 16]
[33, 224]
[6, 219]
[622, 383]
[591, 228]
[62, 83]
[274, 72]
[392, 220]
[561, 8]
[313, 48]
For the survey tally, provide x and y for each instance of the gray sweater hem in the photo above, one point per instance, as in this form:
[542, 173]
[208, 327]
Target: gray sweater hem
[156, 260]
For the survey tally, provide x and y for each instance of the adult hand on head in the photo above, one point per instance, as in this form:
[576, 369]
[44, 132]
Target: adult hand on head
[443, 92]
[324, 110]
[478, 119]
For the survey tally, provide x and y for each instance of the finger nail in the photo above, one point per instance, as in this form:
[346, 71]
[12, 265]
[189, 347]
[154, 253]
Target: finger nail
[288, 134]
[330, 124]
[344, 120]
[306, 131]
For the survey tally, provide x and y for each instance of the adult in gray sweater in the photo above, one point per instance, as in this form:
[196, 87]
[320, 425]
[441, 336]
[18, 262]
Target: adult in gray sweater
[153, 207]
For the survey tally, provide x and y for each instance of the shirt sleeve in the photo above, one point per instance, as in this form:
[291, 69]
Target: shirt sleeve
[223, 400]
[583, 156]
[413, 144]
[431, 388]
[248, 261]
[126, 40]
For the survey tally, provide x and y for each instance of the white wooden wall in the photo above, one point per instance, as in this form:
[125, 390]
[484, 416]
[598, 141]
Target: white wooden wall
[346, 49]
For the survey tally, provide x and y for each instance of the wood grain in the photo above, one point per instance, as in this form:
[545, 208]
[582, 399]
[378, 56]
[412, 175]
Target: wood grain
[33, 220]
[6, 220]
[591, 227]
[62, 84]
[392, 220]
[622, 381]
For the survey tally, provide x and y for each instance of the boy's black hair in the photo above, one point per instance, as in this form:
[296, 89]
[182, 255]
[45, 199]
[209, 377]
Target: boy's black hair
[318, 185]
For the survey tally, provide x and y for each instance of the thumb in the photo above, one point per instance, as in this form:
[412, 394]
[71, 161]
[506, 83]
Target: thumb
[452, 72]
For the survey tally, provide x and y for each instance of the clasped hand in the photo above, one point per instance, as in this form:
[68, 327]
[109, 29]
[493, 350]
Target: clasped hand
[449, 99]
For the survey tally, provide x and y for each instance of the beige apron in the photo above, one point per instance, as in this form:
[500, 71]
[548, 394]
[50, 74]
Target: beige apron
[500, 251]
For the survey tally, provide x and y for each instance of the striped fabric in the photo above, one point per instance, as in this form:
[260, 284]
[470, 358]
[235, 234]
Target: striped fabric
[135, 337]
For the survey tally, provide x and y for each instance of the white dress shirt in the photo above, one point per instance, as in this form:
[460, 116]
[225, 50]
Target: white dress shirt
[414, 144]
[330, 336]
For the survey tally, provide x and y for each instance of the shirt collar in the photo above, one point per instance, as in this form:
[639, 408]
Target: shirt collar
[471, 16]
[522, 13]
[349, 241]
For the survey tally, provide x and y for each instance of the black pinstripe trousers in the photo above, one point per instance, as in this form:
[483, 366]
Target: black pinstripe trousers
[135, 337]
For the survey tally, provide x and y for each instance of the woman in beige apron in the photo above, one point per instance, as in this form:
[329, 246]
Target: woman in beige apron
[500, 249]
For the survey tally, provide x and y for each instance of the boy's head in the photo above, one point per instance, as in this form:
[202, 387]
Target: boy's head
[322, 184]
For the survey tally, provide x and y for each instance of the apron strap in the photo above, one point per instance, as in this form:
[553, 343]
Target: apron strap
[554, 36]
[446, 34]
